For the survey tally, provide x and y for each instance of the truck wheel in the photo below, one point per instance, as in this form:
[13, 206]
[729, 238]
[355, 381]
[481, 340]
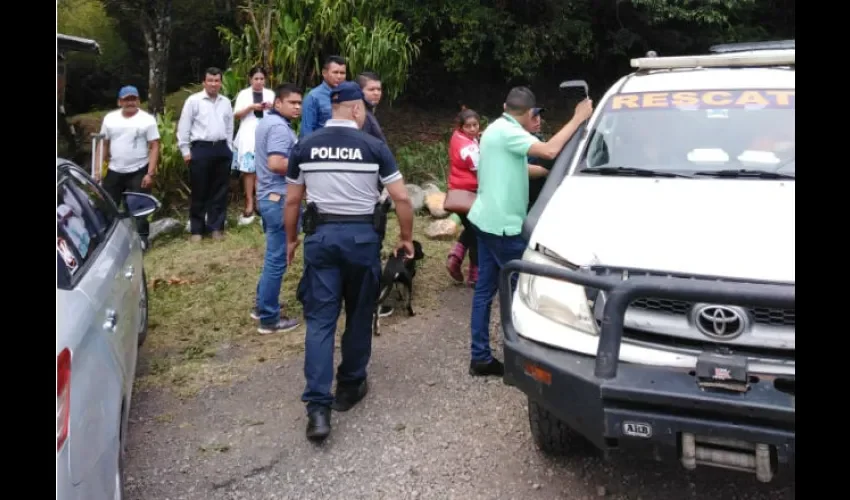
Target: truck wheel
[550, 434]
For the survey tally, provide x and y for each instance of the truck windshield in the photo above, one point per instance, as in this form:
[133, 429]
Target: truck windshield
[686, 132]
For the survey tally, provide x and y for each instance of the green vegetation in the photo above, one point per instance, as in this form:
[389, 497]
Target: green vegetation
[420, 162]
[95, 77]
[172, 180]
[291, 37]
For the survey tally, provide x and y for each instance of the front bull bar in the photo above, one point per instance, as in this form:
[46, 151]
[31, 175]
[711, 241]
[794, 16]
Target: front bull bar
[622, 292]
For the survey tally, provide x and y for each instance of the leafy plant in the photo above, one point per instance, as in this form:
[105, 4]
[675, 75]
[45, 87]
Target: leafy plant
[289, 38]
[171, 184]
[232, 83]
[420, 162]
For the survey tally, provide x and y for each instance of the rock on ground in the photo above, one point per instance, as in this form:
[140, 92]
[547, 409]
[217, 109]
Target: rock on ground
[430, 188]
[417, 196]
[443, 229]
[434, 202]
[164, 226]
[427, 430]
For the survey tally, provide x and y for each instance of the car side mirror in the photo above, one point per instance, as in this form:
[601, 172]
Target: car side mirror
[140, 204]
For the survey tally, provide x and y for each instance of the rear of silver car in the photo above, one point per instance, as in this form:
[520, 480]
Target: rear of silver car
[89, 402]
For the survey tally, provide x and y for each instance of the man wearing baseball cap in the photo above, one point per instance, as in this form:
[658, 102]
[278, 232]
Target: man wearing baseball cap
[131, 144]
[339, 166]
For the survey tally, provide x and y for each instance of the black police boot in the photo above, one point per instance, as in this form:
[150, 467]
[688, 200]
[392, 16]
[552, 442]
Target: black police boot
[319, 424]
[480, 369]
[348, 395]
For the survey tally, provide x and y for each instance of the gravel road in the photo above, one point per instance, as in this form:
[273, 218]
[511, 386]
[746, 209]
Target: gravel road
[426, 430]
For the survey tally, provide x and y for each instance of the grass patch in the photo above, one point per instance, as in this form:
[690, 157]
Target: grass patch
[424, 162]
[201, 333]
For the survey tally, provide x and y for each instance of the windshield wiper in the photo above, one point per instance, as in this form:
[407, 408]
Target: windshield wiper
[744, 173]
[638, 172]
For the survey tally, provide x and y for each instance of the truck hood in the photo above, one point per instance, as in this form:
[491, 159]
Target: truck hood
[731, 228]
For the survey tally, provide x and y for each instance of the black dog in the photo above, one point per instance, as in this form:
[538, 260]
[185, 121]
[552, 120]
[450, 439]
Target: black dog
[398, 274]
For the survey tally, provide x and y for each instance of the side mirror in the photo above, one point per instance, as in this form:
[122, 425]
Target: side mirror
[140, 204]
[575, 89]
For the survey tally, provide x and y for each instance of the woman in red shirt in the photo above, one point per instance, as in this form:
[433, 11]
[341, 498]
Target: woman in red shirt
[463, 164]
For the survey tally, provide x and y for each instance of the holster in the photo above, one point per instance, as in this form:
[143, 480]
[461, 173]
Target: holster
[379, 218]
[310, 219]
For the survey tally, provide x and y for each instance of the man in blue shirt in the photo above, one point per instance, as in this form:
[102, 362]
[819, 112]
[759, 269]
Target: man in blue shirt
[317, 103]
[274, 142]
[339, 167]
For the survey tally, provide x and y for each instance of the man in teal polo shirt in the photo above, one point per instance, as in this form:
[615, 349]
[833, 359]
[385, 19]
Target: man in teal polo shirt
[502, 205]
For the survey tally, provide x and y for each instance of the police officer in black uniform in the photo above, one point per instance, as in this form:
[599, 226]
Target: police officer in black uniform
[338, 166]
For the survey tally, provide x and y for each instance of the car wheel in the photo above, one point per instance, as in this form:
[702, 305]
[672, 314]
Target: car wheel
[144, 305]
[551, 435]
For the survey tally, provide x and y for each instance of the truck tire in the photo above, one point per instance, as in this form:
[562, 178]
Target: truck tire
[550, 434]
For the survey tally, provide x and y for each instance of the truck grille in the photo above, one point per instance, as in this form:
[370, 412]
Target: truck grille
[656, 321]
[761, 315]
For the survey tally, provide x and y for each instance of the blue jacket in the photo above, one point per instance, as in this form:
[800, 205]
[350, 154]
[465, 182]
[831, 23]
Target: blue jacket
[372, 127]
[316, 109]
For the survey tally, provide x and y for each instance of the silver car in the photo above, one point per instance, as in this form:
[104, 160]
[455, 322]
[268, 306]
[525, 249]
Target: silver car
[101, 320]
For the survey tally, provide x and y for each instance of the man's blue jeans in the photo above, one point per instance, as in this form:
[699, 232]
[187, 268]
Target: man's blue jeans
[274, 265]
[494, 252]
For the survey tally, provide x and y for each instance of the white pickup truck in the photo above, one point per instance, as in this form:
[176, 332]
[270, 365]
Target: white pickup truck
[655, 307]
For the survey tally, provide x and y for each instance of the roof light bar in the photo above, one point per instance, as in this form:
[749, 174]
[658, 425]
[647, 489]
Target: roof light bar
[738, 59]
[725, 48]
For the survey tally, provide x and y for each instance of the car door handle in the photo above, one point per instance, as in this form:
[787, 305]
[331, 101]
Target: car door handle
[111, 320]
[130, 272]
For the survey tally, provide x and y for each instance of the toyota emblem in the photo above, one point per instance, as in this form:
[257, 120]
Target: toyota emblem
[720, 322]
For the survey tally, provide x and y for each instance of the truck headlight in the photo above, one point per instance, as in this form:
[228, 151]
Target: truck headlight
[560, 301]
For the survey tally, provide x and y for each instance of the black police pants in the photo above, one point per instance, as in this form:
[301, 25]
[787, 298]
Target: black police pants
[342, 264]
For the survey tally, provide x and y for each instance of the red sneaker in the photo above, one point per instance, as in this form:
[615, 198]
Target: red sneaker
[454, 261]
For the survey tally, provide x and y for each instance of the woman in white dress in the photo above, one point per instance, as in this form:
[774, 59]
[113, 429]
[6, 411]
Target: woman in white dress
[251, 105]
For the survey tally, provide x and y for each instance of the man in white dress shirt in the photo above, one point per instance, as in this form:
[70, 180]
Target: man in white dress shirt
[205, 138]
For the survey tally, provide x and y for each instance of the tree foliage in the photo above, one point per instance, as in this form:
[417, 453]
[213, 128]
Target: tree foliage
[290, 38]
[92, 77]
[463, 49]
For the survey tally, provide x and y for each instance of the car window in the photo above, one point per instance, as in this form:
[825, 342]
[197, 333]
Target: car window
[63, 277]
[104, 212]
[76, 240]
[686, 131]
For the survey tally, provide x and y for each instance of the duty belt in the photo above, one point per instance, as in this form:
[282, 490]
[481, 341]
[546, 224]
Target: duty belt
[329, 218]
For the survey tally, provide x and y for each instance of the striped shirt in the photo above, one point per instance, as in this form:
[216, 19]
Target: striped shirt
[340, 166]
